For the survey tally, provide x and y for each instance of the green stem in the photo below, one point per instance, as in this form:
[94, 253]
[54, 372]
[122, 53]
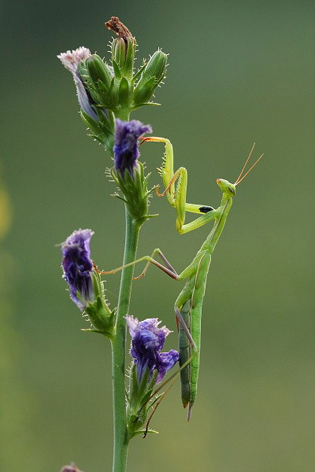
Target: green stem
[121, 439]
[123, 114]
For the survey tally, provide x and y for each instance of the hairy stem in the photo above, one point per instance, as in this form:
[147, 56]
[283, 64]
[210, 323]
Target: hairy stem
[121, 439]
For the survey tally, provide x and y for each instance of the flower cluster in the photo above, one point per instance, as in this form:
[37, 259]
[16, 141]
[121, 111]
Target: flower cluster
[84, 282]
[148, 368]
[106, 92]
[71, 60]
[128, 172]
[147, 342]
[126, 149]
[77, 267]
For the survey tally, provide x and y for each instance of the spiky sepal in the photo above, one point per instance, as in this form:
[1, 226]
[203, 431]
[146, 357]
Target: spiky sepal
[135, 193]
[99, 314]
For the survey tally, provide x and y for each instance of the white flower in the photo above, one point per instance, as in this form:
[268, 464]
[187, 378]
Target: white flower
[71, 61]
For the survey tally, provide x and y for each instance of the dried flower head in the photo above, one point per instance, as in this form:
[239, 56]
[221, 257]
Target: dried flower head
[115, 25]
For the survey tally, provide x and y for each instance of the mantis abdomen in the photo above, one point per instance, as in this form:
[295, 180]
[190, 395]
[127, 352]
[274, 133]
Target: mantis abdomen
[185, 353]
[191, 312]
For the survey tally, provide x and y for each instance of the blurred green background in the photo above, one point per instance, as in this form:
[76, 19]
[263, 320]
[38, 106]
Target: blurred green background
[239, 72]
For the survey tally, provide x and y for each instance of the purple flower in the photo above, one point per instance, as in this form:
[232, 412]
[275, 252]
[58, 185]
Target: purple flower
[77, 267]
[147, 342]
[71, 61]
[70, 468]
[126, 150]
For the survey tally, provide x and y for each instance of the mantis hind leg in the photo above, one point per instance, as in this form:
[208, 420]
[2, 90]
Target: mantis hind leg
[167, 268]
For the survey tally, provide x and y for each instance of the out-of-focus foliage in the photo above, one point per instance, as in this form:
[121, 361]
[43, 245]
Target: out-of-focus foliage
[16, 408]
[239, 72]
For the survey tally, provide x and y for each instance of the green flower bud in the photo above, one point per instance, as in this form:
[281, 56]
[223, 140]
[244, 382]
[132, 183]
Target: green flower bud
[119, 51]
[99, 80]
[152, 75]
[99, 71]
[156, 67]
[123, 54]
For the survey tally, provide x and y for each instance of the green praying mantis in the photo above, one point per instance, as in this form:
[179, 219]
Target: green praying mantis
[188, 305]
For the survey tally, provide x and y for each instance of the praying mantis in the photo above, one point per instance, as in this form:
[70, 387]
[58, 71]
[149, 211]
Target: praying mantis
[188, 305]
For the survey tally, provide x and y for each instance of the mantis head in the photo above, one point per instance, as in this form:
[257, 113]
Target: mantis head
[227, 187]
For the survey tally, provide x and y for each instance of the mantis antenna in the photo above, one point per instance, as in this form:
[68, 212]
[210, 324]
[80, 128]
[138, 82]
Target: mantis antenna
[242, 177]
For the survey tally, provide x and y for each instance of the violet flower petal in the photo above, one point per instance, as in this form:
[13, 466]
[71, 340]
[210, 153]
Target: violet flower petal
[166, 361]
[147, 341]
[126, 149]
[77, 267]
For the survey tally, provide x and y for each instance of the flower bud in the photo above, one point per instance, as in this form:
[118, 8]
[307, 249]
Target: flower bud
[128, 172]
[156, 66]
[70, 468]
[123, 53]
[92, 77]
[149, 367]
[126, 149]
[85, 286]
[151, 76]
[72, 61]
[100, 76]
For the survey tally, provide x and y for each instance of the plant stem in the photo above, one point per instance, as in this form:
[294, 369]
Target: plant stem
[123, 114]
[121, 439]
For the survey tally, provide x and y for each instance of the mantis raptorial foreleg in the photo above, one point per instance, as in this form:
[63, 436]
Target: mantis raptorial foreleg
[176, 194]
